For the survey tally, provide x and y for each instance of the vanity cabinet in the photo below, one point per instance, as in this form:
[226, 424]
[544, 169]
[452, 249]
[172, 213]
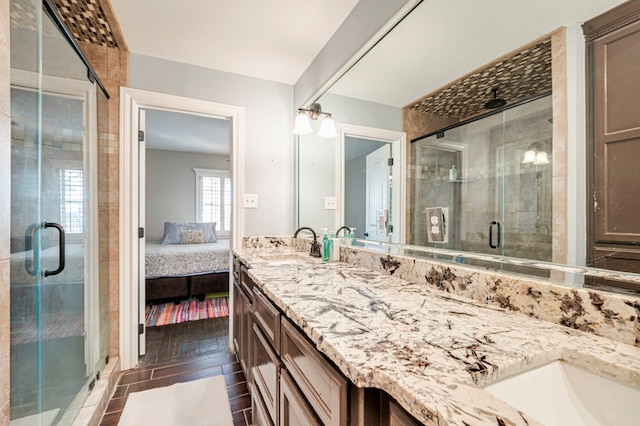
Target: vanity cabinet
[243, 319]
[266, 374]
[398, 417]
[294, 408]
[290, 381]
[322, 385]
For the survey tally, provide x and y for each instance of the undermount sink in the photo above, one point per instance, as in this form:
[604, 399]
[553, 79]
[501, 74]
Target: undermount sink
[287, 258]
[562, 394]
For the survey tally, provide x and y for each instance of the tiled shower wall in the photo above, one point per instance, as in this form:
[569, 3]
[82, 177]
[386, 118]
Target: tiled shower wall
[112, 66]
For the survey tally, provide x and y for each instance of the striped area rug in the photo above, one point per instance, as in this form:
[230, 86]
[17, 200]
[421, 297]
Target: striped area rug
[186, 310]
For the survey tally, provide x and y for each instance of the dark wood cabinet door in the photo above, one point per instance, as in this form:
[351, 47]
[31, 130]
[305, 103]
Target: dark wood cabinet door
[616, 130]
[266, 373]
[237, 320]
[320, 383]
[294, 409]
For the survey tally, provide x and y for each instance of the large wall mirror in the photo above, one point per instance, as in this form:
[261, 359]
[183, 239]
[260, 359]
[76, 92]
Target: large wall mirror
[481, 112]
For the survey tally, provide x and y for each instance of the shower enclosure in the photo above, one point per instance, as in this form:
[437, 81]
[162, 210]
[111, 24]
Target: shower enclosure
[59, 321]
[499, 198]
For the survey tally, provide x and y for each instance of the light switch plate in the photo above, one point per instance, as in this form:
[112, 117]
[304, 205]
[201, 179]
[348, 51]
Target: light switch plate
[250, 201]
[330, 203]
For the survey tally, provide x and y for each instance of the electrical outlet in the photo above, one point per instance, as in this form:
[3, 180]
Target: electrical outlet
[330, 203]
[250, 201]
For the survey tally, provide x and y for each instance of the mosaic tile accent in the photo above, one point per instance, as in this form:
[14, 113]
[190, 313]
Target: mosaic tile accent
[87, 21]
[520, 76]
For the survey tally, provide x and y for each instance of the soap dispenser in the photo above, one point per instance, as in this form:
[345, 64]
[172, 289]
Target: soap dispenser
[327, 246]
[453, 173]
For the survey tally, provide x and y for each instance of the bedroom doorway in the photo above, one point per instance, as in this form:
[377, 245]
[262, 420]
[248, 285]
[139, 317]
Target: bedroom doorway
[185, 211]
[132, 185]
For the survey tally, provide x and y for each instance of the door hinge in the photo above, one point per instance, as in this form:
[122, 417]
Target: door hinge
[391, 229]
[140, 135]
[140, 232]
[390, 162]
[140, 328]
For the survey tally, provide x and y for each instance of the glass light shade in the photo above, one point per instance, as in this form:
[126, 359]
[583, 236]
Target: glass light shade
[303, 125]
[541, 158]
[327, 128]
[529, 156]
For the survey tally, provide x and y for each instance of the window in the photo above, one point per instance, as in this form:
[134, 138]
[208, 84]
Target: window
[72, 201]
[213, 199]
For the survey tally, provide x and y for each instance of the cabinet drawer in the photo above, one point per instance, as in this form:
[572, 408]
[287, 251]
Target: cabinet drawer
[237, 319]
[319, 382]
[265, 372]
[236, 268]
[398, 417]
[294, 410]
[246, 283]
[268, 317]
[259, 414]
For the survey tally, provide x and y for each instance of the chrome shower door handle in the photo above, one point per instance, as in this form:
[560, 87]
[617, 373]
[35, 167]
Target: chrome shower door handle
[61, 249]
[491, 225]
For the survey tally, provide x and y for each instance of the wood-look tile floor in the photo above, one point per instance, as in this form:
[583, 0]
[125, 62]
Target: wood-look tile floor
[186, 340]
[186, 365]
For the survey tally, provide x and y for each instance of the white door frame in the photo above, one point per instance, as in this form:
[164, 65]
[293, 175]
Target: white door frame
[131, 101]
[398, 148]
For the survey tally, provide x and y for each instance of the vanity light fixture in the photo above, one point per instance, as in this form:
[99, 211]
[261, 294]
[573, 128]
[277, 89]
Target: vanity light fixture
[303, 122]
[534, 155]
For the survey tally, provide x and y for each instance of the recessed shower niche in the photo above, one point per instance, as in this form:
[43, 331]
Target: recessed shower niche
[498, 200]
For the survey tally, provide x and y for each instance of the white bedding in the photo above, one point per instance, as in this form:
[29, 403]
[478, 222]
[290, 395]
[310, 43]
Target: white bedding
[73, 270]
[175, 260]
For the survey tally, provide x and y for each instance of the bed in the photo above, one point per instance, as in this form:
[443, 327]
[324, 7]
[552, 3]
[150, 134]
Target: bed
[47, 308]
[178, 271]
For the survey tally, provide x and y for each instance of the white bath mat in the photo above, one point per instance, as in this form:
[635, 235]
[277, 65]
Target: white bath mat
[202, 402]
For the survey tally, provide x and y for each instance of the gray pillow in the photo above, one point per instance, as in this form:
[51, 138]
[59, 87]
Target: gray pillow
[172, 231]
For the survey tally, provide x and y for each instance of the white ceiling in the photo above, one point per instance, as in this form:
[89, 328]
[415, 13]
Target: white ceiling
[274, 40]
[443, 40]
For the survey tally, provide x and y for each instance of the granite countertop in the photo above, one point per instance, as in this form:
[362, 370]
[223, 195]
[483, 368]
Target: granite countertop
[431, 351]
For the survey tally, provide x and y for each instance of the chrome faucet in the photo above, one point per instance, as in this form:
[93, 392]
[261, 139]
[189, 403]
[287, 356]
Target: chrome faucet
[341, 228]
[315, 248]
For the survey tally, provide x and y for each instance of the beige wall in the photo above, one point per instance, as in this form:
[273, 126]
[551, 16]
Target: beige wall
[5, 205]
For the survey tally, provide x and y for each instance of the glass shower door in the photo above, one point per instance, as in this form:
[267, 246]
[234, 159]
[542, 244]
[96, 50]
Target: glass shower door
[497, 199]
[49, 240]
[461, 209]
[47, 260]
[528, 173]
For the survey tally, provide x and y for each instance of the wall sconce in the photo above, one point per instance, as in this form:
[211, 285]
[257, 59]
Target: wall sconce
[303, 122]
[534, 155]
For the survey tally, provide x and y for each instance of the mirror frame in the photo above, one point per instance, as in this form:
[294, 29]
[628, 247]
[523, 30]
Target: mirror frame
[398, 143]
